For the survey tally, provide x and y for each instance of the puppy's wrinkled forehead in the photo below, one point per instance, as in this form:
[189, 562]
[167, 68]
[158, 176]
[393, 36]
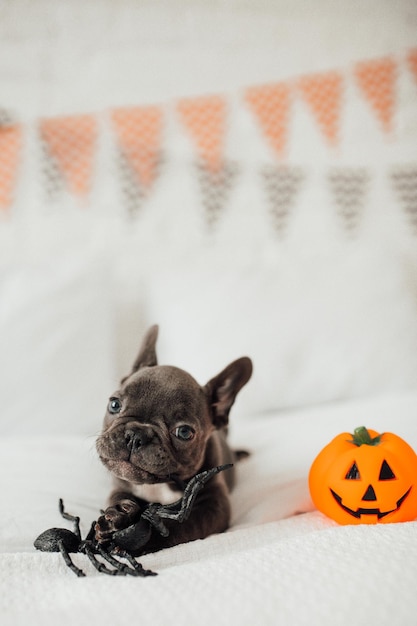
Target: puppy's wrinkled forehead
[163, 386]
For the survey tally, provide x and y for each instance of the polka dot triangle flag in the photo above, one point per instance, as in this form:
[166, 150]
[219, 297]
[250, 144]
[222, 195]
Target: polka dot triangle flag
[348, 187]
[282, 184]
[404, 181]
[377, 81]
[138, 133]
[271, 106]
[70, 142]
[139, 136]
[215, 186]
[323, 94]
[10, 153]
[205, 120]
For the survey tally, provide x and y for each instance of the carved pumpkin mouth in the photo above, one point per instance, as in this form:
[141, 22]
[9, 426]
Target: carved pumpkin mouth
[365, 511]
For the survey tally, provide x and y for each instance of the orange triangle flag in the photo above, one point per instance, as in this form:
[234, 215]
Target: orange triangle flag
[323, 94]
[205, 120]
[412, 62]
[71, 141]
[10, 147]
[139, 131]
[377, 79]
[271, 106]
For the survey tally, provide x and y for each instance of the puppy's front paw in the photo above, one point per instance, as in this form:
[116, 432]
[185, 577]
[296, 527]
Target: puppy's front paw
[116, 517]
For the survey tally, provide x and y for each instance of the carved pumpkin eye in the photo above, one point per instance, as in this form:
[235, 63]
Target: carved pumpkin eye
[353, 473]
[386, 472]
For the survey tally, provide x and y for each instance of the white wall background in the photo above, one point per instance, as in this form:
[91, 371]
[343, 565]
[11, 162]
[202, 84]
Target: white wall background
[324, 315]
[61, 57]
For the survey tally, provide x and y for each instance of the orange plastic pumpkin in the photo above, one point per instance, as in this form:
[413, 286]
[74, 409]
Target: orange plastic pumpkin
[365, 478]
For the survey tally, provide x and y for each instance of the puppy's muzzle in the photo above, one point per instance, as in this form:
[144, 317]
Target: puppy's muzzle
[136, 439]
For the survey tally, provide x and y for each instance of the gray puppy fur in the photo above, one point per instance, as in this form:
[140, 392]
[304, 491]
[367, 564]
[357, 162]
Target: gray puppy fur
[160, 429]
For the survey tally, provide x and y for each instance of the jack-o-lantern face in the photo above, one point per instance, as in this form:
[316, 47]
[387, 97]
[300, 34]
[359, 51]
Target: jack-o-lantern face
[365, 478]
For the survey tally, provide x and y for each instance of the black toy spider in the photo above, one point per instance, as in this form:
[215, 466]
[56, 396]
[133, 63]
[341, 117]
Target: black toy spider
[126, 541]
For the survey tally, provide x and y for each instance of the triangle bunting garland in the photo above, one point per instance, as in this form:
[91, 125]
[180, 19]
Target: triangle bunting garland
[323, 94]
[70, 143]
[137, 138]
[271, 106]
[10, 151]
[376, 80]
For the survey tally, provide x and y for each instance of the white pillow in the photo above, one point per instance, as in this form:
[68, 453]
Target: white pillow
[55, 344]
[319, 325]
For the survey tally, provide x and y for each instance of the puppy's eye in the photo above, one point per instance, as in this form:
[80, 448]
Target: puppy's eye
[184, 432]
[114, 406]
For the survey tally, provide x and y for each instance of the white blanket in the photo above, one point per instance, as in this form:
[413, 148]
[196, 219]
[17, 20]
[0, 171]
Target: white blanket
[281, 562]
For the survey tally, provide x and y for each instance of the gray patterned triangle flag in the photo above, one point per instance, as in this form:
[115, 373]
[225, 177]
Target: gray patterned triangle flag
[6, 118]
[282, 184]
[133, 194]
[134, 191]
[53, 182]
[404, 180]
[348, 186]
[215, 185]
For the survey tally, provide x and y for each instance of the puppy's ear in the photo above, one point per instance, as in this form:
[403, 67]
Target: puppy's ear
[223, 389]
[147, 353]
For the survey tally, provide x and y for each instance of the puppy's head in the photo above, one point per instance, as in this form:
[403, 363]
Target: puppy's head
[158, 423]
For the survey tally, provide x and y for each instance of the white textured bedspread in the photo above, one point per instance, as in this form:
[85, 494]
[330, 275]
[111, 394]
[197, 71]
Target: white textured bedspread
[280, 563]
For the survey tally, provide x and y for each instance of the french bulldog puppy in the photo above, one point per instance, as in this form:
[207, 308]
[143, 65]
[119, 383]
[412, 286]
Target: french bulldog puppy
[160, 429]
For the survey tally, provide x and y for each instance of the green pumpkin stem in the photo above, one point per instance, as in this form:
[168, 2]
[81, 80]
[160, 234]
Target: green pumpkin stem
[362, 437]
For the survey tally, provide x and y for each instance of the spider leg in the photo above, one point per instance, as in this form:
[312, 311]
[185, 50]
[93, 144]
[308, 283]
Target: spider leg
[91, 532]
[121, 568]
[67, 559]
[153, 516]
[70, 518]
[139, 569]
[100, 567]
[181, 509]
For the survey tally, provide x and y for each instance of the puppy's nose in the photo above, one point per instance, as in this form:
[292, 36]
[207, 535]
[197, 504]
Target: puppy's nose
[135, 439]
